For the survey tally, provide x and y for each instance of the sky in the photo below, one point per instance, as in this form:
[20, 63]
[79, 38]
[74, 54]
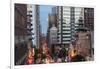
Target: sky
[44, 11]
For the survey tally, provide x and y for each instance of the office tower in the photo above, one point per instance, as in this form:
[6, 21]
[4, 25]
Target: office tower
[67, 23]
[37, 26]
[52, 20]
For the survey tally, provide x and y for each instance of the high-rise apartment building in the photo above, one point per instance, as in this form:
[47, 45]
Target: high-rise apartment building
[30, 25]
[35, 20]
[67, 22]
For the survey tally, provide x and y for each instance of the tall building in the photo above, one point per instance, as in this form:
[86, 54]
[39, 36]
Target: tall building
[54, 10]
[35, 21]
[37, 26]
[52, 20]
[30, 25]
[52, 30]
[34, 11]
[72, 22]
[53, 38]
[53, 35]
[83, 42]
[89, 18]
[20, 32]
[89, 23]
[67, 22]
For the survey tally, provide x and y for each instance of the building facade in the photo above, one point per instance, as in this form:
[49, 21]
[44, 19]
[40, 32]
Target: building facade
[37, 26]
[89, 18]
[20, 32]
[89, 24]
[53, 38]
[83, 42]
[67, 22]
[35, 20]
[52, 20]
[30, 32]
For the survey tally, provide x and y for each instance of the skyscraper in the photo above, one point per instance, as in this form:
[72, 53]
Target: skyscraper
[35, 20]
[37, 26]
[52, 31]
[30, 25]
[67, 22]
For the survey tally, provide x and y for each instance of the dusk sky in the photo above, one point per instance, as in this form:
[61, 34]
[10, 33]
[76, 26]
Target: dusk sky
[44, 11]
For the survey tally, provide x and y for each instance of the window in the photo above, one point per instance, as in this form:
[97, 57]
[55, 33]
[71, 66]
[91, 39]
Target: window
[66, 39]
[66, 32]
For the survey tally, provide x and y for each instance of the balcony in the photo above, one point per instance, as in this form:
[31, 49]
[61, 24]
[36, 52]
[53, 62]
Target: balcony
[29, 20]
[29, 24]
[30, 29]
[29, 15]
[30, 38]
[30, 11]
[30, 33]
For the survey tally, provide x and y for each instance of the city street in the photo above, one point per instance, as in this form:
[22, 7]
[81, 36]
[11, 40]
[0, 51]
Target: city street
[46, 34]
